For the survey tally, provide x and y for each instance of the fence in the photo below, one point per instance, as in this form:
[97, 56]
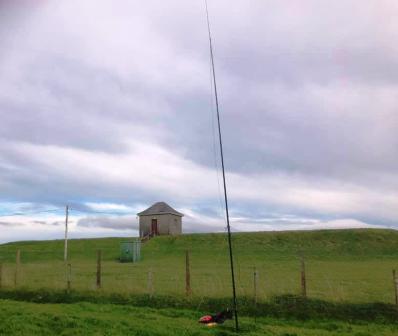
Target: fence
[187, 274]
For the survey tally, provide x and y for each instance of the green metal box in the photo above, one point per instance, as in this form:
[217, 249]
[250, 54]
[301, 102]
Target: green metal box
[130, 251]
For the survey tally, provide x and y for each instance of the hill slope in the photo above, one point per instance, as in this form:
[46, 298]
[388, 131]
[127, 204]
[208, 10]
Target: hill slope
[350, 243]
[352, 265]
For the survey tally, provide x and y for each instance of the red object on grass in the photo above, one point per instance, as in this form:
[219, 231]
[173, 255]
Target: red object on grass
[206, 319]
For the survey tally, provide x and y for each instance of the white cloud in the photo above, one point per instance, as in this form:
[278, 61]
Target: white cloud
[108, 106]
[117, 223]
[110, 207]
[153, 168]
[43, 227]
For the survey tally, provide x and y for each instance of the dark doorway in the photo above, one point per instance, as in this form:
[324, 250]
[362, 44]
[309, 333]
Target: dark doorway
[154, 227]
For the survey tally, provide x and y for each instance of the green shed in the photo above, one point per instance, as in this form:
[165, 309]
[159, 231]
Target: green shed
[130, 251]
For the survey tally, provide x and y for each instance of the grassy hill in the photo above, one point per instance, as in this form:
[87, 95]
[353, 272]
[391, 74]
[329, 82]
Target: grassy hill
[322, 244]
[342, 265]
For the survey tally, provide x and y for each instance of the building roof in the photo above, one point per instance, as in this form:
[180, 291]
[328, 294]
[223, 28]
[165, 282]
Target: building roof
[160, 208]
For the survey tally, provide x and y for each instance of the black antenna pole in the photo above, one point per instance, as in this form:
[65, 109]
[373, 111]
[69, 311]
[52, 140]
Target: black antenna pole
[223, 172]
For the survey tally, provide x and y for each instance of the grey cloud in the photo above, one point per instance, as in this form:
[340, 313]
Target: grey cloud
[57, 223]
[3, 223]
[34, 222]
[39, 222]
[116, 223]
[306, 90]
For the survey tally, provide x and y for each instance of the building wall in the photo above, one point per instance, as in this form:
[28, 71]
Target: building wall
[167, 224]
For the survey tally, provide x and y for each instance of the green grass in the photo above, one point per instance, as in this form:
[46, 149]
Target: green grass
[286, 306]
[342, 265]
[349, 276]
[21, 318]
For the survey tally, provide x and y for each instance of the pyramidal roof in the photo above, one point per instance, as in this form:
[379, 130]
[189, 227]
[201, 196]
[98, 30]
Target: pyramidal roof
[160, 208]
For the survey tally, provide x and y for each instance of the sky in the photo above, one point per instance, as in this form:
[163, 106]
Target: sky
[108, 107]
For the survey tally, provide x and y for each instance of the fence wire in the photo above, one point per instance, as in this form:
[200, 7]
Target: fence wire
[341, 280]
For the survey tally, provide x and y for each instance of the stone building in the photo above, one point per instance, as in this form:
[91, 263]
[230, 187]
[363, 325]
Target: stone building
[160, 219]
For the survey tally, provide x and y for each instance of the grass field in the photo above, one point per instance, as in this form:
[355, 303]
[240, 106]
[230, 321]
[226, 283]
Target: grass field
[342, 265]
[349, 276]
[21, 318]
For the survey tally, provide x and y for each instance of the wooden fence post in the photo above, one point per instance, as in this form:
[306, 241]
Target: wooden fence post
[303, 279]
[395, 281]
[17, 264]
[255, 285]
[99, 269]
[188, 290]
[150, 283]
[68, 277]
[1, 275]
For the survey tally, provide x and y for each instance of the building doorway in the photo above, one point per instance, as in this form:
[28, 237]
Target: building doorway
[154, 227]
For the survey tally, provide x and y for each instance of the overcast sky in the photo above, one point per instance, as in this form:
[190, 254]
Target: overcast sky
[107, 106]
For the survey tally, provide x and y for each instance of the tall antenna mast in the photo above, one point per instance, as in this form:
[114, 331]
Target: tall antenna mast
[66, 233]
[223, 171]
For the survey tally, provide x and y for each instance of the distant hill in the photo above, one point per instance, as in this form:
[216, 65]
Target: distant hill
[322, 244]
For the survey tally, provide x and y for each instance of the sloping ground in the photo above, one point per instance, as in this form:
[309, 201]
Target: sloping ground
[322, 244]
[342, 265]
